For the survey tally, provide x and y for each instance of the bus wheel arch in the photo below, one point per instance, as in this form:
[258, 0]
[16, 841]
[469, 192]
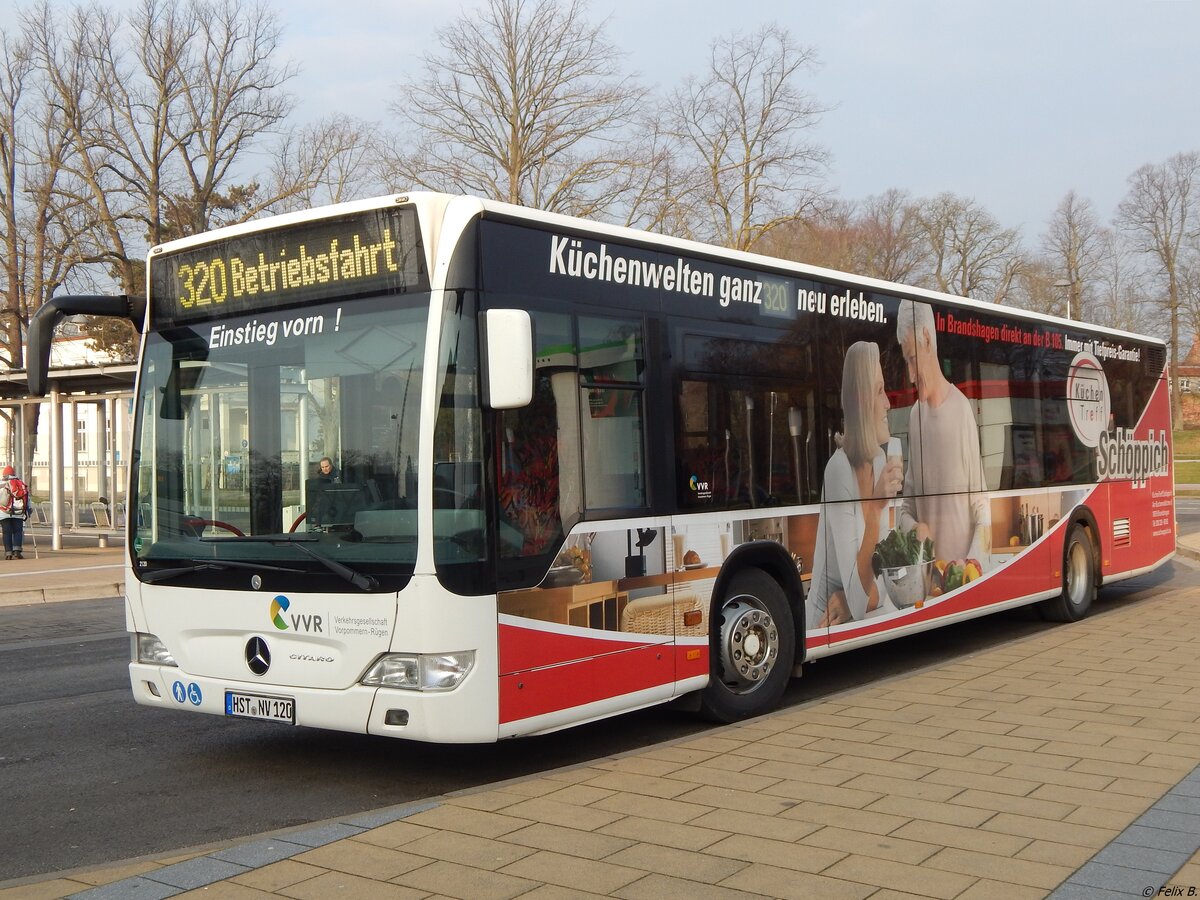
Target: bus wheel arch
[1079, 574]
[1087, 520]
[773, 559]
[753, 641]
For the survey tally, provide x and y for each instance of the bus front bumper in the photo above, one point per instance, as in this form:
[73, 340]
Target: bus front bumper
[444, 717]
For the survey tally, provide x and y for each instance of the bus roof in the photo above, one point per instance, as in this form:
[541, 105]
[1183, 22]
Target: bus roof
[434, 207]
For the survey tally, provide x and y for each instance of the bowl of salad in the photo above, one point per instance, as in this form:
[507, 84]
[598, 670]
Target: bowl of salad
[906, 565]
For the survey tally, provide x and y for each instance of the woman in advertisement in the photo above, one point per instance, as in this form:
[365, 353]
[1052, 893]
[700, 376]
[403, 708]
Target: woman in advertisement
[859, 480]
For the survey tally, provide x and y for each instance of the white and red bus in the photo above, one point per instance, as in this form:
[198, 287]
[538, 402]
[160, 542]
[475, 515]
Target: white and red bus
[572, 469]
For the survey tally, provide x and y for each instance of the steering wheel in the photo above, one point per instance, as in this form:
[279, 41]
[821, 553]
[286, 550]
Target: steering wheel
[300, 518]
[198, 525]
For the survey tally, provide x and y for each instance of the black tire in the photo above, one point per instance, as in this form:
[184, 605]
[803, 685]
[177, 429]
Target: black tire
[753, 649]
[1079, 579]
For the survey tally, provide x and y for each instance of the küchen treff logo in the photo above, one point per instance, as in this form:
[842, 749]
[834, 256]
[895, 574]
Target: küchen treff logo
[1088, 401]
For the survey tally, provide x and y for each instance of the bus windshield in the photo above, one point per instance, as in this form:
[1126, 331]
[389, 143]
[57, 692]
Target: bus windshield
[261, 433]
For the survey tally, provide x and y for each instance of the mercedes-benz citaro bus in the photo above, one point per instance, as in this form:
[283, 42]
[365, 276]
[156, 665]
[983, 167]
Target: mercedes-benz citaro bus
[576, 469]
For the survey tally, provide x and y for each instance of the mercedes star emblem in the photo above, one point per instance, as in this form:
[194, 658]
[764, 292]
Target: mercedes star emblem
[258, 656]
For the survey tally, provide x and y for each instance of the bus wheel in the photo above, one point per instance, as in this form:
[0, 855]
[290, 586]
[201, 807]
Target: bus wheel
[1079, 579]
[754, 644]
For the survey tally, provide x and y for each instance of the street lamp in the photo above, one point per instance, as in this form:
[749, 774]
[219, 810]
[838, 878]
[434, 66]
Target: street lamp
[1071, 302]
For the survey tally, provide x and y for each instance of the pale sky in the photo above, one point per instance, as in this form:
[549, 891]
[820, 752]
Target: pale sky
[1009, 102]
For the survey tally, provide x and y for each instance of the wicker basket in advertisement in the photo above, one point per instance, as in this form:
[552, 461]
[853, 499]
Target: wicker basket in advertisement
[659, 615]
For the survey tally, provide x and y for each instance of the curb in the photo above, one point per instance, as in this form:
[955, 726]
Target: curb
[61, 594]
[1192, 553]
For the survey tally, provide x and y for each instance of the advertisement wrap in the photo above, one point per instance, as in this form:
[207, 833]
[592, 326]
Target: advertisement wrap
[936, 463]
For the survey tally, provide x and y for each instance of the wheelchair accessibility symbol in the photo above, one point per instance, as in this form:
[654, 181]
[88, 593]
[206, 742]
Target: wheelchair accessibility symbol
[187, 693]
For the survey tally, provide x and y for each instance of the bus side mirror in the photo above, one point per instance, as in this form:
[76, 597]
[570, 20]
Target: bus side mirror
[41, 328]
[507, 346]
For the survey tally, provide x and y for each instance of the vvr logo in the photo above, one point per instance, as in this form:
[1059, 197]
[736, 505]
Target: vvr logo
[278, 607]
[299, 622]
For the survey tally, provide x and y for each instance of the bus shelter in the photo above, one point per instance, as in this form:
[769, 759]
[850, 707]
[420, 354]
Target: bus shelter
[101, 386]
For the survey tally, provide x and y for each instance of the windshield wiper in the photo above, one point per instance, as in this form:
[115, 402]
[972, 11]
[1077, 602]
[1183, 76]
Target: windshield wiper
[199, 565]
[358, 579]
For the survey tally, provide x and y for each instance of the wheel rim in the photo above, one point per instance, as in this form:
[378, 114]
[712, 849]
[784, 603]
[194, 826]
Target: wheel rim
[749, 644]
[1078, 576]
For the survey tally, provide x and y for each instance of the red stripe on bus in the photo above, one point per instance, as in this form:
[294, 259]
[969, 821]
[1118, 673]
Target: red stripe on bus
[541, 691]
[522, 649]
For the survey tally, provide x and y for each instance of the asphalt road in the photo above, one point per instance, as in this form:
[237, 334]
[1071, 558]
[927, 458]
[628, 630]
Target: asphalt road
[1187, 514]
[87, 777]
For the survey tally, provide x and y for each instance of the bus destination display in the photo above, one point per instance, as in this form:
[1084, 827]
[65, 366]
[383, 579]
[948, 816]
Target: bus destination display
[373, 252]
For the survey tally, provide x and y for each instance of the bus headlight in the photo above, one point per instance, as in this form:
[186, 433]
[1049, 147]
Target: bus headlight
[149, 649]
[420, 671]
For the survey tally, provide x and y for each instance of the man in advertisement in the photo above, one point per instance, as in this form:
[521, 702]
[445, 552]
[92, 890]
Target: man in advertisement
[944, 491]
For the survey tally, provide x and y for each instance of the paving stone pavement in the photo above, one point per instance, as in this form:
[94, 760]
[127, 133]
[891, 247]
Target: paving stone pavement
[1062, 765]
[76, 572]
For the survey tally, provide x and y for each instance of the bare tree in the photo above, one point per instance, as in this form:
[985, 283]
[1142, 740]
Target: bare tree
[15, 68]
[15, 264]
[233, 89]
[117, 121]
[1189, 291]
[1035, 288]
[657, 183]
[329, 161]
[1073, 243]
[879, 237]
[147, 109]
[1159, 213]
[970, 254]
[161, 111]
[210, 89]
[42, 224]
[1119, 298]
[828, 237]
[742, 127]
[526, 104]
[890, 244]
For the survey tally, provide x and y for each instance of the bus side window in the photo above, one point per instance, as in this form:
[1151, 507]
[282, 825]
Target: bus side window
[745, 428]
[1009, 430]
[537, 449]
[1027, 426]
[611, 368]
[709, 463]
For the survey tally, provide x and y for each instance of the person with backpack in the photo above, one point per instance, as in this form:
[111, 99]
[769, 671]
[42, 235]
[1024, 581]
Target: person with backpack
[14, 510]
